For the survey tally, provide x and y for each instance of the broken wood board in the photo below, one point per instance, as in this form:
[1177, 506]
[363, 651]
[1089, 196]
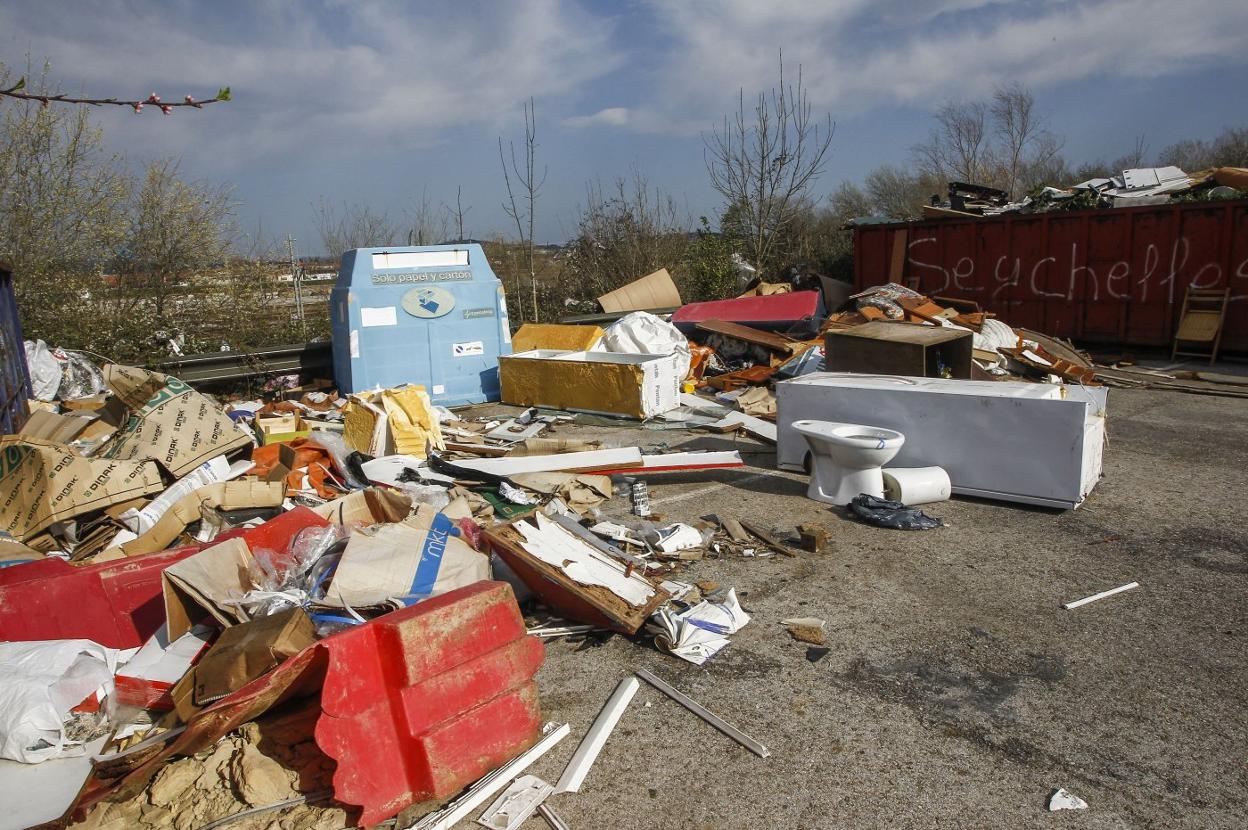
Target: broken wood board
[766, 339]
[591, 604]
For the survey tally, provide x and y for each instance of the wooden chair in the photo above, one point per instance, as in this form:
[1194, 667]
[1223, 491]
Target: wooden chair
[1204, 312]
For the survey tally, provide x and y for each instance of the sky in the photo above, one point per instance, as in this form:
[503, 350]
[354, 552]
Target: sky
[386, 103]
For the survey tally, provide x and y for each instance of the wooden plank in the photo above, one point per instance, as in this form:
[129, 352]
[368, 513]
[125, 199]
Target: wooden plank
[766, 339]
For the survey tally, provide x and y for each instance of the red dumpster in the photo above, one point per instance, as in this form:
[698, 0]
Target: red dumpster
[1110, 276]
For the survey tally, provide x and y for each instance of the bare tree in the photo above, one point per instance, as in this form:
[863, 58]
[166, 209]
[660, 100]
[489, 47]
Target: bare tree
[1137, 157]
[177, 230]
[764, 160]
[428, 225]
[1004, 142]
[624, 232]
[456, 215]
[357, 226]
[957, 145]
[1023, 138]
[529, 185]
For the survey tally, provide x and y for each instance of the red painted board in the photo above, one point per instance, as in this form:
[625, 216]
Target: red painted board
[794, 310]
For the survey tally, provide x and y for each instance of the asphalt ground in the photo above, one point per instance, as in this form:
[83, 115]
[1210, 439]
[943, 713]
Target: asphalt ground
[956, 692]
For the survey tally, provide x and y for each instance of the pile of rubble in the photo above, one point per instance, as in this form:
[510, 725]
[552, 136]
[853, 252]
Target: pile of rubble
[276, 597]
[1135, 187]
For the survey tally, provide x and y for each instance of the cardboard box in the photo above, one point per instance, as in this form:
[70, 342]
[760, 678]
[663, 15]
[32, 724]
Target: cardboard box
[628, 385]
[240, 655]
[907, 349]
[281, 428]
[147, 680]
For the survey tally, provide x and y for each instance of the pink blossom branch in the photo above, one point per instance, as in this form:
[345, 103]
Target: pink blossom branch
[166, 107]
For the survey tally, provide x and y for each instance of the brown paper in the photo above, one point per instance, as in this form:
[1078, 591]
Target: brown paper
[174, 425]
[197, 585]
[48, 426]
[651, 291]
[240, 655]
[42, 483]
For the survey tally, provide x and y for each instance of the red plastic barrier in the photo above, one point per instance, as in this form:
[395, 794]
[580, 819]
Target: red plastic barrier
[1110, 276]
[117, 604]
[416, 705]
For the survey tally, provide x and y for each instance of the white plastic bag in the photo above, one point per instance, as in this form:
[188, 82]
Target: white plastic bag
[40, 682]
[642, 333]
[45, 370]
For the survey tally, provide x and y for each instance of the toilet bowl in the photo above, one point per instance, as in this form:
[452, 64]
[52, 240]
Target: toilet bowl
[846, 459]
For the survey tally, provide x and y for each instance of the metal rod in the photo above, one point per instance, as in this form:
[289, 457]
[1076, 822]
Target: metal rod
[555, 820]
[705, 714]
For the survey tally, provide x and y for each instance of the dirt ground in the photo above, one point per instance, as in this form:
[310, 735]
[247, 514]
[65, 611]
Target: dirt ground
[956, 692]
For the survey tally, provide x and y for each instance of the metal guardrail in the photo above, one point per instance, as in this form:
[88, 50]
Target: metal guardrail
[303, 358]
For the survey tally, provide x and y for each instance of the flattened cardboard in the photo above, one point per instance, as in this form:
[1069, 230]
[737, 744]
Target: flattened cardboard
[42, 483]
[366, 507]
[173, 425]
[240, 655]
[532, 336]
[48, 426]
[223, 495]
[651, 291]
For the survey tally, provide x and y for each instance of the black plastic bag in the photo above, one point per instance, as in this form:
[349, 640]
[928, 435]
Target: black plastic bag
[894, 514]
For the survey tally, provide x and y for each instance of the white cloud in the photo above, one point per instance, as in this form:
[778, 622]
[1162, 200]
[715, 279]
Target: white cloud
[858, 54]
[609, 117]
[313, 75]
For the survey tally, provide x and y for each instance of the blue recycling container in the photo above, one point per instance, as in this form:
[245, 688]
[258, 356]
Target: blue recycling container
[433, 315]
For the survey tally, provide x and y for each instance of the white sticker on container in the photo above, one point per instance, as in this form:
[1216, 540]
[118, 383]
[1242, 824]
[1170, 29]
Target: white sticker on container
[439, 389]
[469, 349]
[385, 316]
[355, 343]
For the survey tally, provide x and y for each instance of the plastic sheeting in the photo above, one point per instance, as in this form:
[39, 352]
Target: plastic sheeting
[41, 683]
[642, 333]
[45, 371]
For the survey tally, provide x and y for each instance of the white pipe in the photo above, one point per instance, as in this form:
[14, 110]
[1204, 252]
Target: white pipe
[1101, 595]
[576, 770]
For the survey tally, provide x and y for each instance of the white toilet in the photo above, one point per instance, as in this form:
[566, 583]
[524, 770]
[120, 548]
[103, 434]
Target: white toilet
[847, 459]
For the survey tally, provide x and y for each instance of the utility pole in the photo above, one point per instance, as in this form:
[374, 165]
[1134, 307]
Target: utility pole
[296, 274]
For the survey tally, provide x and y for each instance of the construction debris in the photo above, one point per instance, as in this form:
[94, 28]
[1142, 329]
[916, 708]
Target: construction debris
[276, 597]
